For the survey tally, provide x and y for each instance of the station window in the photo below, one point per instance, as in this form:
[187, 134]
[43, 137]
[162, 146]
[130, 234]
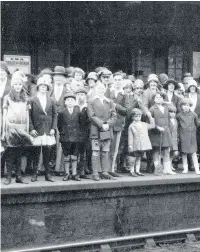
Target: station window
[175, 62]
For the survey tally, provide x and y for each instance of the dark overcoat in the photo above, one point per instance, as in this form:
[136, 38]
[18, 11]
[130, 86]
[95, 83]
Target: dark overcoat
[161, 120]
[100, 113]
[69, 125]
[40, 120]
[60, 103]
[187, 127]
[120, 109]
[175, 100]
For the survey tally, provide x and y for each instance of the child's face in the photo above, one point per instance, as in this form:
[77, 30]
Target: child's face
[180, 91]
[17, 85]
[118, 81]
[70, 102]
[158, 99]
[172, 114]
[128, 90]
[186, 107]
[100, 89]
[78, 76]
[192, 89]
[81, 97]
[137, 117]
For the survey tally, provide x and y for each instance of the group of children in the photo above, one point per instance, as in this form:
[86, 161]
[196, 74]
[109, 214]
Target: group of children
[92, 115]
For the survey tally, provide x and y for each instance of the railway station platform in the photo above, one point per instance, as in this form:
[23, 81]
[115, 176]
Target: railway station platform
[45, 213]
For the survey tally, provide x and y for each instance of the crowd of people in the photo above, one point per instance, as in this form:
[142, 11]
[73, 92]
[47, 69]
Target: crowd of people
[99, 126]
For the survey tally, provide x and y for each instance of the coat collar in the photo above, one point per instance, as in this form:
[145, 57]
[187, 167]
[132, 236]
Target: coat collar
[37, 101]
[74, 113]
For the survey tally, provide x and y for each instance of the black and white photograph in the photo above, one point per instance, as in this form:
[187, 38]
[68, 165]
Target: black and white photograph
[100, 126]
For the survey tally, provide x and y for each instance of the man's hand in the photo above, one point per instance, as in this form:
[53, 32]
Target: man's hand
[161, 129]
[130, 148]
[34, 133]
[105, 127]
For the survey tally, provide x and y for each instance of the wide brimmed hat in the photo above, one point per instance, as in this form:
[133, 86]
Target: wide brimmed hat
[165, 86]
[4, 66]
[181, 86]
[69, 71]
[42, 80]
[59, 70]
[192, 83]
[91, 75]
[81, 90]
[69, 95]
[46, 71]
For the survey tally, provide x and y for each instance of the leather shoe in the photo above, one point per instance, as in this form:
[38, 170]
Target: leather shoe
[105, 175]
[76, 177]
[114, 174]
[7, 181]
[139, 174]
[34, 178]
[66, 177]
[133, 174]
[84, 176]
[49, 178]
[124, 170]
[21, 180]
[95, 177]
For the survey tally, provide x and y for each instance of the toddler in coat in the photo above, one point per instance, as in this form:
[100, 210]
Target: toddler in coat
[187, 125]
[138, 140]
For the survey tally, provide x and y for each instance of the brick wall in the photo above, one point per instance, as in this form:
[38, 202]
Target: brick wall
[55, 217]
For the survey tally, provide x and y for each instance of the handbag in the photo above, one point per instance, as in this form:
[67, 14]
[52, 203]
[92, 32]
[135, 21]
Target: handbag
[104, 135]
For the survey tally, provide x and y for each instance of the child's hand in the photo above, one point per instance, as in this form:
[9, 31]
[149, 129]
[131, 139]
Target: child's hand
[130, 148]
[52, 132]
[105, 127]
[149, 114]
[161, 129]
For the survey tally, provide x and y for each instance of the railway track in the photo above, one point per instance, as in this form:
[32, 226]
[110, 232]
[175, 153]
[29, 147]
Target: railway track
[124, 243]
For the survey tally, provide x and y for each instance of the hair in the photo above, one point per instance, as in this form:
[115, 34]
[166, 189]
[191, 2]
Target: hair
[128, 84]
[17, 98]
[135, 111]
[78, 70]
[162, 94]
[172, 109]
[185, 101]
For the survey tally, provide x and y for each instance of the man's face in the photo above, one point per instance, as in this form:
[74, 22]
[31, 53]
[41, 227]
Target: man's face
[105, 79]
[153, 85]
[81, 97]
[100, 89]
[118, 81]
[59, 79]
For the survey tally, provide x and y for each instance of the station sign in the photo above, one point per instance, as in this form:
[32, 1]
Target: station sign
[20, 62]
[196, 65]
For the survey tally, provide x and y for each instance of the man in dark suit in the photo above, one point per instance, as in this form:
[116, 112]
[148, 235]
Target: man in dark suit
[119, 98]
[102, 114]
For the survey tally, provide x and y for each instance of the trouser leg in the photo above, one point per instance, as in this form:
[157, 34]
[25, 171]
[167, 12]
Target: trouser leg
[46, 151]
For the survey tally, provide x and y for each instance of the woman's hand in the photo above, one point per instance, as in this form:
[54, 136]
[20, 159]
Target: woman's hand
[52, 132]
[130, 148]
[34, 133]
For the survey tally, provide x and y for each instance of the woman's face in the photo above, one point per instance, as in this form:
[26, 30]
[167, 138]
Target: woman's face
[153, 85]
[192, 89]
[137, 117]
[17, 85]
[42, 88]
[91, 83]
[171, 87]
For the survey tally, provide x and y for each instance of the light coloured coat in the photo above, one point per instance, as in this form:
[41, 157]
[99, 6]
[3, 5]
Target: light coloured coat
[138, 136]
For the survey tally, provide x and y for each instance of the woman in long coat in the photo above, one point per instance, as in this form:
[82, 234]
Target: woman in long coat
[43, 123]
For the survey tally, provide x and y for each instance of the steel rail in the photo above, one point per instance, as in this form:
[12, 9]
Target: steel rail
[106, 241]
